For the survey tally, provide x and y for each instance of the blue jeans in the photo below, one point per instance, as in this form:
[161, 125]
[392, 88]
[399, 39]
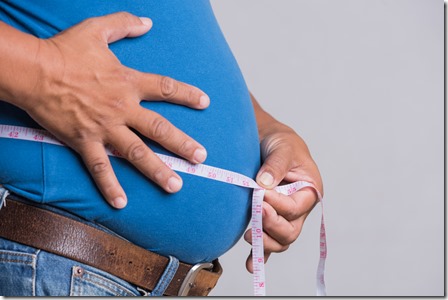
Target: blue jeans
[27, 271]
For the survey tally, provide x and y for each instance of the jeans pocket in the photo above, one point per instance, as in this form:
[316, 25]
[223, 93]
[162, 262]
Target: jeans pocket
[93, 283]
[17, 273]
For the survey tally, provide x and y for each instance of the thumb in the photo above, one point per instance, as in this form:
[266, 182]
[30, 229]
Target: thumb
[275, 167]
[120, 25]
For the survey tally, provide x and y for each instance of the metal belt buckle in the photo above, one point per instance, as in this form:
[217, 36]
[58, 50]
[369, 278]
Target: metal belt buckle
[191, 276]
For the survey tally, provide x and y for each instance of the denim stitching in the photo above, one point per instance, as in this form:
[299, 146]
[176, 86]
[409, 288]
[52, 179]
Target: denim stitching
[35, 258]
[30, 260]
[17, 253]
[103, 286]
[77, 288]
[16, 261]
[72, 283]
[14, 253]
[111, 282]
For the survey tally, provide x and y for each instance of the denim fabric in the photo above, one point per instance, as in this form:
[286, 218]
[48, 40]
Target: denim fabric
[27, 271]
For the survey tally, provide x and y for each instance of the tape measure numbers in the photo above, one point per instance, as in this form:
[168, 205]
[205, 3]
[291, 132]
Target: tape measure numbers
[218, 174]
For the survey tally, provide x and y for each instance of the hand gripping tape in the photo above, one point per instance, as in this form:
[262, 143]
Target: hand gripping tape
[180, 165]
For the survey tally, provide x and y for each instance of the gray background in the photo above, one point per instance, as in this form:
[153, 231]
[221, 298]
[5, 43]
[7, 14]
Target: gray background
[362, 83]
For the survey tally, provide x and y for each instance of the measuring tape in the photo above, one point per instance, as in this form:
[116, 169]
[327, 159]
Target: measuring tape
[180, 165]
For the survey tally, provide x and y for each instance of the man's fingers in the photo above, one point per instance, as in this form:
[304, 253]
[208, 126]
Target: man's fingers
[293, 206]
[250, 263]
[119, 25]
[278, 228]
[269, 244]
[132, 148]
[275, 167]
[157, 87]
[160, 130]
[98, 164]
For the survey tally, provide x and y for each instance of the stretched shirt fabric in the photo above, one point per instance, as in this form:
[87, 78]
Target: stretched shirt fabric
[204, 219]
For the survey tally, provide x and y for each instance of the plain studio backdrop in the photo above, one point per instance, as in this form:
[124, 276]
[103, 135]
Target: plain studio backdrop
[363, 83]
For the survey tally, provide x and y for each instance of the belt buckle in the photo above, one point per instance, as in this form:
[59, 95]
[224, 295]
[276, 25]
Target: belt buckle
[188, 282]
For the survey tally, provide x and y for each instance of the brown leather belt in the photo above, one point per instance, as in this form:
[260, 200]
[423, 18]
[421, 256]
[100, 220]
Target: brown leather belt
[64, 236]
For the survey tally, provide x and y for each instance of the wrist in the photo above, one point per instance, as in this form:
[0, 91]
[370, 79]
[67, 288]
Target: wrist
[45, 76]
[266, 123]
[272, 126]
[19, 58]
[263, 119]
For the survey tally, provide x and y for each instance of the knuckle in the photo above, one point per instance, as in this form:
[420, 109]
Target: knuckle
[125, 17]
[89, 22]
[277, 162]
[99, 167]
[291, 214]
[118, 104]
[276, 247]
[92, 28]
[283, 248]
[160, 128]
[160, 175]
[168, 87]
[289, 239]
[186, 147]
[270, 226]
[136, 152]
[127, 76]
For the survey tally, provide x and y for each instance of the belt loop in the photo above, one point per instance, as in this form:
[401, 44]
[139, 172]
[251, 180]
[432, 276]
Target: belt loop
[166, 277]
[3, 194]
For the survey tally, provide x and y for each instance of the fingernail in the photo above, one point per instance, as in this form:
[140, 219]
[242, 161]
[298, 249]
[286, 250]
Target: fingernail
[174, 184]
[146, 21]
[266, 179]
[204, 101]
[119, 202]
[199, 155]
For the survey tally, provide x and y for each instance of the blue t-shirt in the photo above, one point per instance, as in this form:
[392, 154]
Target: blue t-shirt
[204, 219]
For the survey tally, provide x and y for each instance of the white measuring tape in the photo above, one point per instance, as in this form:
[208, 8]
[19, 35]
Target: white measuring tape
[180, 165]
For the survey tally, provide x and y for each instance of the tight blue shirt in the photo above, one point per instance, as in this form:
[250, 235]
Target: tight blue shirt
[204, 219]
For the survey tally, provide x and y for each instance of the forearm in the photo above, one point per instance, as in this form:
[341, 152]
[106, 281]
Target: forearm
[266, 123]
[286, 158]
[19, 68]
[75, 87]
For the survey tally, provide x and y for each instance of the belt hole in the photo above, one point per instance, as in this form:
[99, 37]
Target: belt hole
[130, 262]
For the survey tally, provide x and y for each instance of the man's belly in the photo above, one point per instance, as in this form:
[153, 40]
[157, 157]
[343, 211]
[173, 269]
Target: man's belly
[205, 218]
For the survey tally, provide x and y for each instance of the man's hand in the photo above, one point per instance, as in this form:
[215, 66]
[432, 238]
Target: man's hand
[86, 98]
[286, 159]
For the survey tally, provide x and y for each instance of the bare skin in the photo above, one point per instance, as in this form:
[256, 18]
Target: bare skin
[74, 86]
[286, 159]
